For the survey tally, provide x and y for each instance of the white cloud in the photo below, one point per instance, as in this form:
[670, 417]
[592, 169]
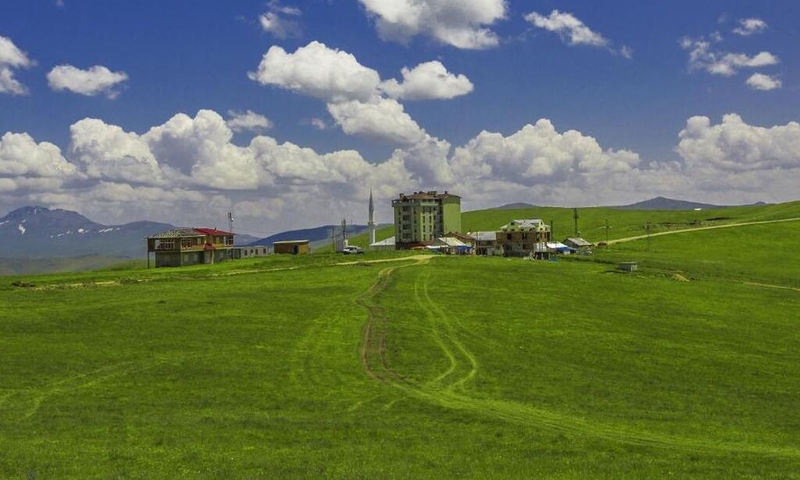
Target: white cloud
[21, 156]
[355, 94]
[12, 58]
[427, 81]
[759, 81]
[735, 146]
[568, 27]
[94, 81]
[318, 123]
[318, 71]
[249, 120]
[279, 26]
[702, 57]
[461, 24]
[381, 119]
[537, 154]
[188, 171]
[109, 153]
[750, 26]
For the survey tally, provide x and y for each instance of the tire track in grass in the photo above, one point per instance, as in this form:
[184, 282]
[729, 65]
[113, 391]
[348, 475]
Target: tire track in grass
[22, 404]
[451, 335]
[454, 396]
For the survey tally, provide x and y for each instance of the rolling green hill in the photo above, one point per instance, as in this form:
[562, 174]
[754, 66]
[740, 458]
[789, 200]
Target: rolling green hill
[419, 366]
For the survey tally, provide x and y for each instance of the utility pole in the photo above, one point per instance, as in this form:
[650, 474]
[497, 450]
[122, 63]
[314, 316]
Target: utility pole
[230, 230]
[575, 219]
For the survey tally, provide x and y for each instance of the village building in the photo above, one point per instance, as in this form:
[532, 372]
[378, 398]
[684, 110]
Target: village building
[293, 247]
[521, 238]
[485, 243]
[190, 246]
[423, 217]
[578, 244]
[252, 251]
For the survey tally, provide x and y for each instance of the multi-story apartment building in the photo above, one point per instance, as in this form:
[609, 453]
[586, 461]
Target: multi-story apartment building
[422, 217]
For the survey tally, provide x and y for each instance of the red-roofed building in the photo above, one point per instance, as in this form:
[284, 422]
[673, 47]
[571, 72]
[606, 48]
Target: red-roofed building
[190, 246]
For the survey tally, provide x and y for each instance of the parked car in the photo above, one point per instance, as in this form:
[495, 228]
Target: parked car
[352, 249]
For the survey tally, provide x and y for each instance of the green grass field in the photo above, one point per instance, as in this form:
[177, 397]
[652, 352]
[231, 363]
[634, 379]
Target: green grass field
[424, 367]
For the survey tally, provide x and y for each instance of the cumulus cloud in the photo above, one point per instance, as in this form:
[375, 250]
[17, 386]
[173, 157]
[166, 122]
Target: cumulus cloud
[537, 154]
[318, 71]
[107, 152]
[359, 102]
[462, 24]
[248, 121]
[759, 81]
[427, 81]
[21, 156]
[750, 26]
[703, 57]
[94, 81]
[381, 119]
[736, 146]
[188, 171]
[11, 59]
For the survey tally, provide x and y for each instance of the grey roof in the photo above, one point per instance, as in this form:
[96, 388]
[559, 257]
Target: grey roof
[178, 233]
[579, 242]
[484, 236]
[523, 223]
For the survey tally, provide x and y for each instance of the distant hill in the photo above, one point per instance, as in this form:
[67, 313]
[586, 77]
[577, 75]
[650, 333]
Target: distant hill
[515, 206]
[316, 235]
[662, 203]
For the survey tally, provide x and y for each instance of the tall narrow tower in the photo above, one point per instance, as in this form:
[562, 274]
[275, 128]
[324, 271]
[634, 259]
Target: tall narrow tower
[371, 222]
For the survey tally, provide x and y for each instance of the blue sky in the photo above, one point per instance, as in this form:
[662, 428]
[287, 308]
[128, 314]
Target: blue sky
[288, 113]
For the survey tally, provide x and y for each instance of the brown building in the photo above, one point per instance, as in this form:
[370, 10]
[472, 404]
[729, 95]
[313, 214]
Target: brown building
[520, 238]
[294, 247]
[190, 246]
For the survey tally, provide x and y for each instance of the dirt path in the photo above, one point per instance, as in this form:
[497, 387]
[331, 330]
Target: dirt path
[713, 227]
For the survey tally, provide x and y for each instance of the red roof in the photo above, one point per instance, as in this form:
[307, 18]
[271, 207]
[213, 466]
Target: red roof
[212, 231]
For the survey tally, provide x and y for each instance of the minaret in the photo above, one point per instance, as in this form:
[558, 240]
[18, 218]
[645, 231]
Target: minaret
[371, 222]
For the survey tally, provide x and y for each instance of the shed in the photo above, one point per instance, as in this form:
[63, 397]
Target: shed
[294, 247]
[387, 244]
[628, 266]
[577, 243]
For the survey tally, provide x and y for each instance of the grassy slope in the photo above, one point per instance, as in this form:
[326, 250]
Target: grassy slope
[496, 368]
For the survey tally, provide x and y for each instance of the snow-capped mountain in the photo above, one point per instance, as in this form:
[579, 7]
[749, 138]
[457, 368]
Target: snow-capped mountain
[38, 232]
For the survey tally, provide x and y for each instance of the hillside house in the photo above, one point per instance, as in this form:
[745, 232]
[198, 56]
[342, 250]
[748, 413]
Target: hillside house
[521, 238]
[190, 246]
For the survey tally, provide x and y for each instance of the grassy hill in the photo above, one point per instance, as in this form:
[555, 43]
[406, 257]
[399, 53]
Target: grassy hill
[419, 367]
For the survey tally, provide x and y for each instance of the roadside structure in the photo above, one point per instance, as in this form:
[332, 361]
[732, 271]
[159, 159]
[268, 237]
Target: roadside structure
[251, 251]
[485, 242]
[190, 246]
[521, 238]
[422, 217]
[578, 243]
[293, 247]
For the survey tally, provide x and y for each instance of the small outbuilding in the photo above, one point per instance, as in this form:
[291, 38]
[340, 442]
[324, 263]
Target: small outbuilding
[578, 243]
[294, 247]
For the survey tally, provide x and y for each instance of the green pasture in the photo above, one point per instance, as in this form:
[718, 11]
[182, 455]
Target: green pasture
[412, 368]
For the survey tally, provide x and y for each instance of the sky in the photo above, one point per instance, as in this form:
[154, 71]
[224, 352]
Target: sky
[288, 113]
